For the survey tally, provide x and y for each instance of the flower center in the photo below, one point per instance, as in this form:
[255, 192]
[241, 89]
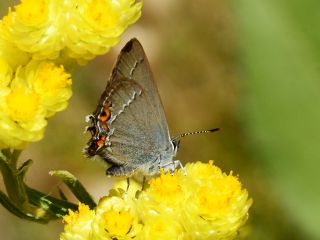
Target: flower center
[50, 77]
[100, 13]
[32, 11]
[118, 223]
[22, 105]
[166, 187]
[217, 196]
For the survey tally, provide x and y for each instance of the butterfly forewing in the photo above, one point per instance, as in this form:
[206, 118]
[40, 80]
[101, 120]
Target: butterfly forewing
[132, 63]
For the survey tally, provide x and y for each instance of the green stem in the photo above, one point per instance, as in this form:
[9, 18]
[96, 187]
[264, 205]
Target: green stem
[14, 158]
[12, 181]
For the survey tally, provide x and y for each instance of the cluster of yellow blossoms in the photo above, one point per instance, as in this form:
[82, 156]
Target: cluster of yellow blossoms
[28, 97]
[203, 204]
[37, 38]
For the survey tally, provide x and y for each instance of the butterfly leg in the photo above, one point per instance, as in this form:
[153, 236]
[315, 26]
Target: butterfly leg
[143, 183]
[171, 166]
[178, 163]
[128, 184]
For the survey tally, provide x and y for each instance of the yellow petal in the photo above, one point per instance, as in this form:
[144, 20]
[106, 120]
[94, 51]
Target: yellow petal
[78, 224]
[5, 73]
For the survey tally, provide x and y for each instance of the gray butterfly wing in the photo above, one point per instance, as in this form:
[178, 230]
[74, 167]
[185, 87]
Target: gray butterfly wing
[129, 128]
[133, 64]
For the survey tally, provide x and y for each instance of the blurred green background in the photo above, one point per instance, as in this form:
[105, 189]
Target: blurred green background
[250, 67]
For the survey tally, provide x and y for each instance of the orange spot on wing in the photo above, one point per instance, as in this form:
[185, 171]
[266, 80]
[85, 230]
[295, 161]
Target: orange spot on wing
[105, 126]
[101, 141]
[105, 114]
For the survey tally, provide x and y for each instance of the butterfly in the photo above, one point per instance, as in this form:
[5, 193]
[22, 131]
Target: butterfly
[129, 128]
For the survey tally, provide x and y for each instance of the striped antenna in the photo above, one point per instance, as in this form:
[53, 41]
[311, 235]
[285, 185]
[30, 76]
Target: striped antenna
[197, 132]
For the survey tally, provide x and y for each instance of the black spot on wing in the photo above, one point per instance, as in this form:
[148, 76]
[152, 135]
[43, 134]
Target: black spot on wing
[128, 46]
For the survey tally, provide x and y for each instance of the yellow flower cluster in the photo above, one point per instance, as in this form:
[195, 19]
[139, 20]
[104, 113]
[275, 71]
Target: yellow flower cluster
[203, 204]
[36, 36]
[77, 29]
[28, 96]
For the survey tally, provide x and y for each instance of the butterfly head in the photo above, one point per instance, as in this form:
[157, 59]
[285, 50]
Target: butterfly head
[176, 144]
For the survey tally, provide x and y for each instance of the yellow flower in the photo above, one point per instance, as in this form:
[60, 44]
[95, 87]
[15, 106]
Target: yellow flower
[218, 206]
[34, 27]
[22, 118]
[96, 25]
[36, 92]
[80, 29]
[52, 84]
[115, 219]
[78, 224]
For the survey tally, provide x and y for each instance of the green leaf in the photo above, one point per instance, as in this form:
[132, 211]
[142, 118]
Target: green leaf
[75, 186]
[22, 170]
[54, 206]
[6, 202]
[62, 195]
